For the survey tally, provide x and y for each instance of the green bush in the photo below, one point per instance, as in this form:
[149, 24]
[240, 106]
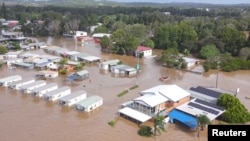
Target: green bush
[63, 71]
[145, 131]
[112, 123]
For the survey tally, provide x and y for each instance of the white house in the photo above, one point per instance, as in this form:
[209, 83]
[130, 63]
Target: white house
[156, 100]
[144, 51]
[47, 74]
[72, 98]
[89, 104]
[100, 35]
[57, 94]
[12, 54]
[38, 92]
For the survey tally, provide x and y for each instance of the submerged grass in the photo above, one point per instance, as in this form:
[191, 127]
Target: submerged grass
[126, 91]
[122, 93]
[134, 87]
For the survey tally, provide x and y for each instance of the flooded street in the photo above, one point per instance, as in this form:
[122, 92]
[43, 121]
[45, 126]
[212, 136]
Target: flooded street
[25, 118]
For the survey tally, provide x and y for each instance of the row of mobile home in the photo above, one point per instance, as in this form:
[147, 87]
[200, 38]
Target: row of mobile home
[40, 91]
[29, 87]
[73, 98]
[51, 92]
[16, 85]
[6, 81]
[57, 94]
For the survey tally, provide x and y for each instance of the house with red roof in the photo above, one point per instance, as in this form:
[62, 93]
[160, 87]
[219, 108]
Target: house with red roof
[144, 51]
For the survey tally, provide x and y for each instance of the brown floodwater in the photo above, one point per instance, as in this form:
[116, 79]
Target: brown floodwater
[27, 119]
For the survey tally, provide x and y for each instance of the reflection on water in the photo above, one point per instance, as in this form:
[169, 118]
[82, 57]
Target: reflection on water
[26, 118]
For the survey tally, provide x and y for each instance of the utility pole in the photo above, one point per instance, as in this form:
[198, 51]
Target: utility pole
[218, 66]
[75, 43]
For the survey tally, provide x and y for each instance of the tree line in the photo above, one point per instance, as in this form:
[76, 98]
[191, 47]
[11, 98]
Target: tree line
[219, 35]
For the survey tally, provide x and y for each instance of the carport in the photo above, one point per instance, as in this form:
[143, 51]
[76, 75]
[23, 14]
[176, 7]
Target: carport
[184, 118]
[134, 115]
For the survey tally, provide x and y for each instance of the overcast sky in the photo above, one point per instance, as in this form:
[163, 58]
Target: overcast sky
[196, 1]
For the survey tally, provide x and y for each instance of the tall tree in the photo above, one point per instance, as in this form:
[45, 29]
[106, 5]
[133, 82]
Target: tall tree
[137, 30]
[4, 11]
[54, 27]
[203, 120]
[106, 44]
[159, 124]
[186, 33]
[244, 53]
[208, 51]
[72, 25]
[166, 36]
[234, 40]
[3, 49]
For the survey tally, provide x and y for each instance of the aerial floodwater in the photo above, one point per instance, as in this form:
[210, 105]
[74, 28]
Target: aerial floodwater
[25, 118]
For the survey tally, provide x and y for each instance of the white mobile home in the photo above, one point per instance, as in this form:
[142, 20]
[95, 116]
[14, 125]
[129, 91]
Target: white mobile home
[89, 104]
[29, 87]
[6, 81]
[72, 98]
[47, 74]
[16, 85]
[106, 65]
[57, 94]
[38, 92]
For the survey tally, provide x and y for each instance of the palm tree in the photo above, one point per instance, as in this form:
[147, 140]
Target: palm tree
[202, 121]
[159, 124]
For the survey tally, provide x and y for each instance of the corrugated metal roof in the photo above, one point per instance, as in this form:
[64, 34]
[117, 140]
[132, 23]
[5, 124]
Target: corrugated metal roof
[171, 92]
[45, 87]
[22, 81]
[82, 73]
[135, 114]
[33, 84]
[111, 62]
[59, 90]
[174, 92]
[13, 77]
[152, 99]
[89, 101]
[184, 118]
[73, 95]
[187, 108]
[91, 58]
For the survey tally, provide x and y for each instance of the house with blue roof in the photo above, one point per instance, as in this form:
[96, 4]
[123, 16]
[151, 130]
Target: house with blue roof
[80, 75]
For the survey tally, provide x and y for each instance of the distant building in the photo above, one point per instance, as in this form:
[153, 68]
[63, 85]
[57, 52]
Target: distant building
[98, 36]
[167, 13]
[191, 62]
[143, 51]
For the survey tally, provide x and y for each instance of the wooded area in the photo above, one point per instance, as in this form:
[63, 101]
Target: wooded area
[217, 34]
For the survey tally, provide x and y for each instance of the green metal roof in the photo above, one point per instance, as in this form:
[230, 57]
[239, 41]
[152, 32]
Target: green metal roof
[89, 101]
